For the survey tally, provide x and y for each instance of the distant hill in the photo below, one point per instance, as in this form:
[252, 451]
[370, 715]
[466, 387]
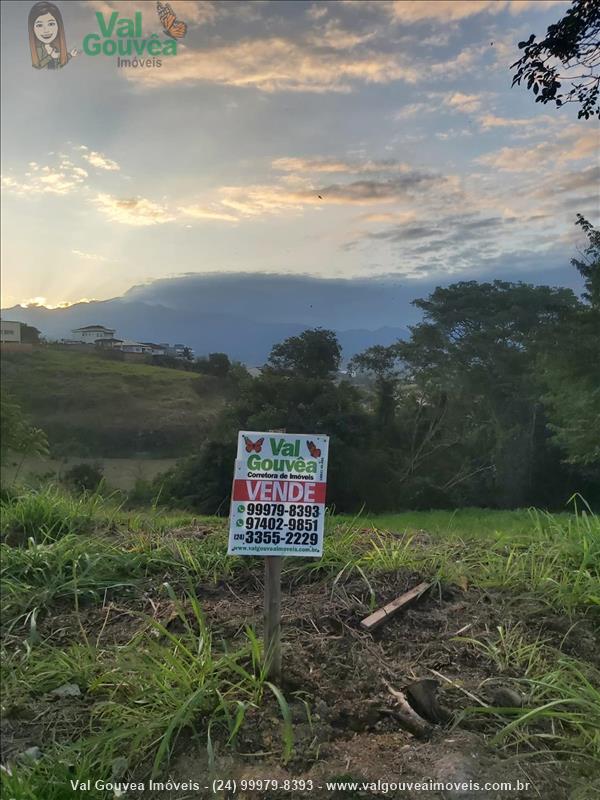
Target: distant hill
[92, 406]
[241, 315]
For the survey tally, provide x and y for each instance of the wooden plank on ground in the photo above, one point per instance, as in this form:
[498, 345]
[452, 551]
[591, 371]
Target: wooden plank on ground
[382, 614]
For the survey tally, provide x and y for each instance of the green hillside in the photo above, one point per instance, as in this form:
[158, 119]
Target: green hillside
[90, 405]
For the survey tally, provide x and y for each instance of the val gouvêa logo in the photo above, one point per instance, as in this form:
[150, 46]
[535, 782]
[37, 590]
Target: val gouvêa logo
[118, 36]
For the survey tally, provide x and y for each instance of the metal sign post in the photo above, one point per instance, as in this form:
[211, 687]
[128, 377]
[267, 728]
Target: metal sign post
[278, 509]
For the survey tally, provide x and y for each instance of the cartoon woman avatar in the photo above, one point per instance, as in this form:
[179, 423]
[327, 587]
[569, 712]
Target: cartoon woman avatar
[47, 40]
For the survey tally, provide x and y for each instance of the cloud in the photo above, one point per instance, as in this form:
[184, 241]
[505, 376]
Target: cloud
[88, 256]
[452, 133]
[581, 201]
[443, 10]
[42, 302]
[333, 165]
[99, 160]
[488, 121]
[456, 67]
[413, 110]
[136, 211]
[316, 12]
[398, 217]
[454, 228]
[278, 64]
[328, 56]
[199, 212]
[333, 35]
[193, 12]
[463, 102]
[370, 191]
[63, 177]
[418, 11]
[405, 232]
[254, 200]
[582, 179]
[569, 144]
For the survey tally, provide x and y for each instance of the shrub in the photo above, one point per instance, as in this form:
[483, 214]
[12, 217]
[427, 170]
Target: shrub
[202, 482]
[84, 477]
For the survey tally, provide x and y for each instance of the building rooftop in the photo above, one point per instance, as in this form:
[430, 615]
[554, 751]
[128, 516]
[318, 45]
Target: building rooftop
[94, 328]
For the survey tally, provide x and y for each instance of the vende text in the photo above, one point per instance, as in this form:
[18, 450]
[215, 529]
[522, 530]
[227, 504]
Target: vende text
[280, 491]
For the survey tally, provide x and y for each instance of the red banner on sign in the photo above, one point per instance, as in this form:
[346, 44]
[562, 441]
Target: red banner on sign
[263, 491]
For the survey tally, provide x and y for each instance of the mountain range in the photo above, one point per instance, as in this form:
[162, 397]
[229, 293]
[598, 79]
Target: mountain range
[243, 315]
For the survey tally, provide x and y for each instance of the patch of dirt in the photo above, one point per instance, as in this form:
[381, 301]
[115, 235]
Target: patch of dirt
[51, 720]
[336, 678]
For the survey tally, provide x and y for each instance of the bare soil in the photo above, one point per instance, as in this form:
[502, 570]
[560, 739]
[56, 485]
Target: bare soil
[336, 678]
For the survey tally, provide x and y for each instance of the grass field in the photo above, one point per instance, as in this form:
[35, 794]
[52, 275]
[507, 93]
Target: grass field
[119, 473]
[92, 406]
[155, 632]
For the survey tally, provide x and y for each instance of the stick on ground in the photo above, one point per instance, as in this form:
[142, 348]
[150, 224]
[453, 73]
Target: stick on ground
[408, 717]
[382, 614]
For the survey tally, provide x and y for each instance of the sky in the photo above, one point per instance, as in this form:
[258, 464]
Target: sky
[344, 140]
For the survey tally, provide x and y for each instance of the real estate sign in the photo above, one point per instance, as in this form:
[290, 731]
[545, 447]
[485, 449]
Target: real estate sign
[278, 496]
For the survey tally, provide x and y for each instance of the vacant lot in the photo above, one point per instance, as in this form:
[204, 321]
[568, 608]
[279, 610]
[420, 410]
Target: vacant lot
[92, 406]
[131, 648]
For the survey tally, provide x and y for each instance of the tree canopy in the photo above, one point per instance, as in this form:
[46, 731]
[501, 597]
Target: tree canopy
[569, 53]
[314, 353]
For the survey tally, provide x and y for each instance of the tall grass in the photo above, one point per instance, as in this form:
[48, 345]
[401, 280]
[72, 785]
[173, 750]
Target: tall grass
[562, 697]
[48, 514]
[145, 694]
[73, 568]
[555, 558]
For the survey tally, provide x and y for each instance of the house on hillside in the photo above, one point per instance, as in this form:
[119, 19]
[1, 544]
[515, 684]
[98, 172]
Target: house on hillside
[178, 351]
[129, 346]
[10, 331]
[90, 334]
[110, 343]
[155, 349]
[124, 345]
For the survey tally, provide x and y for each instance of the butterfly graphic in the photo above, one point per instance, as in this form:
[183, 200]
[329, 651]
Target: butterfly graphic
[253, 447]
[174, 27]
[313, 450]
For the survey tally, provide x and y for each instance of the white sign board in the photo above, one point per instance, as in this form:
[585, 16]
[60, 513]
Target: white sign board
[278, 495]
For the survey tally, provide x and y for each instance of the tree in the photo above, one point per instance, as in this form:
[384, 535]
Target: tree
[17, 434]
[572, 399]
[201, 482]
[476, 347]
[588, 265]
[217, 364]
[382, 363]
[570, 369]
[570, 52]
[314, 353]
[29, 334]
